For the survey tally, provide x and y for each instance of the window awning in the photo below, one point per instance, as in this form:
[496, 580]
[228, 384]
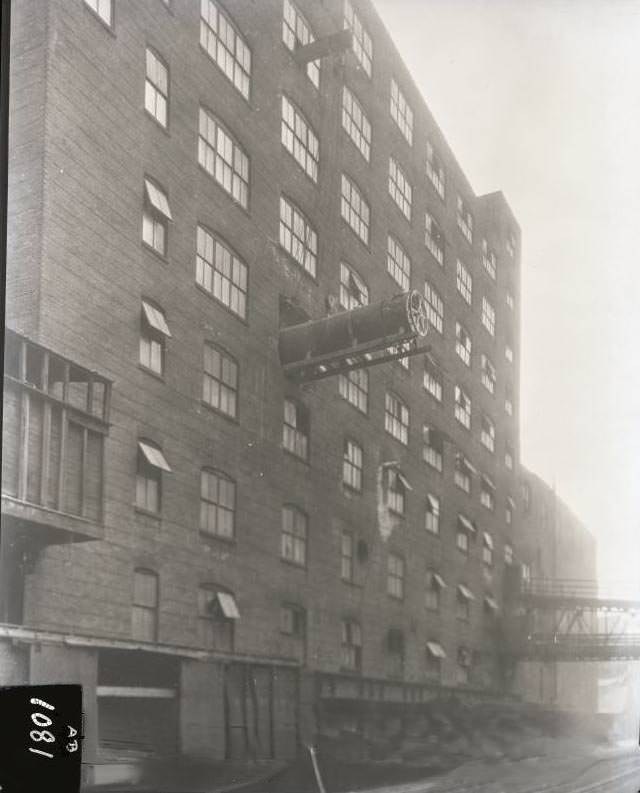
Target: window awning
[466, 524]
[488, 482]
[155, 318]
[228, 605]
[491, 603]
[154, 456]
[157, 199]
[488, 539]
[404, 480]
[438, 579]
[433, 503]
[466, 593]
[436, 650]
[511, 502]
[463, 464]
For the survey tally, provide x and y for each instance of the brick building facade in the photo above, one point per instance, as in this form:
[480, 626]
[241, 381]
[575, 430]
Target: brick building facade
[181, 187]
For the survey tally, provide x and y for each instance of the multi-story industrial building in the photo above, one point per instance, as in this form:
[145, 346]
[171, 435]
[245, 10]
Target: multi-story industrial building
[217, 549]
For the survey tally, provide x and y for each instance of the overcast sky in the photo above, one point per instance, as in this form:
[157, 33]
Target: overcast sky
[541, 99]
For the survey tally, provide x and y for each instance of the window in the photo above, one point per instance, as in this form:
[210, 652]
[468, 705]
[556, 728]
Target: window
[434, 584]
[463, 670]
[397, 486]
[352, 465]
[487, 493]
[435, 170]
[399, 188]
[488, 316]
[221, 273]
[151, 463]
[217, 503]
[401, 112]
[144, 607]
[295, 429]
[351, 646]
[432, 447]
[353, 290]
[508, 458]
[296, 33]
[508, 400]
[346, 556]
[487, 433]
[488, 373]
[225, 46]
[155, 217]
[462, 473]
[396, 418]
[103, 8]
[432, 379]
[463, 344]
[435, 306]
[526, 573]
[463, 602]
[434, 238]
[508, 352]
[488, 259]
[434, 653]
[464, 219]
[355, 123]
[462, 408]
[354, 387]
[293, 546]
[220, 381]
[432, 514]
[153, 334]
[395, 576]
[223, 158]
[511, 244]
[462, 541]
[398, 263]
[464, 282]
[464, 530]
[509, 510]
[354, 209]
[299, 139]
[362, 46]
[217, 614]
[156, 88]
[298, 237]
[508, 554]
[526, 496]
[487, 549]
[510, 301]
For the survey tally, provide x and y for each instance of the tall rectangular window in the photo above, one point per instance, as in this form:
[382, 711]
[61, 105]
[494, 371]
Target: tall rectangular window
[434, 654]
[511, 244]
[432, 379]
[464, 218]
[434, 238]
[462, 407]
[508, 352]
[298, 237]
[346, 556]
[352, 465]
[487, 493]
[353, 290]
[464, 282]
[155, 217]
[221, 273]
[397, 486]
[401, 112]
[151, 463]
[395, 576]
[488, 374]
[296, 32]
[225, 46]
[156, 87]
[295, 429]
[435, 170]
[217, 503]
[293, 545]
[103, 8]
[463, 602]
[488, 316]
[487, 549]
[354, 387]
[398, 263]
[217, 614]
[508, 458]
[432, 514]
[354, 209]
[396, 418]
[488, 259]
[154, 332]
[351, 646]
[462, 473]
[508, 400]
[488, 433]
[144, 607]
[435, 306]
[463, 343]
[355, 123]
[400, 188]
[432, 447]
[299, 139]
[362, 45]
[434, 584]
[220, 381]
[223, 158]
